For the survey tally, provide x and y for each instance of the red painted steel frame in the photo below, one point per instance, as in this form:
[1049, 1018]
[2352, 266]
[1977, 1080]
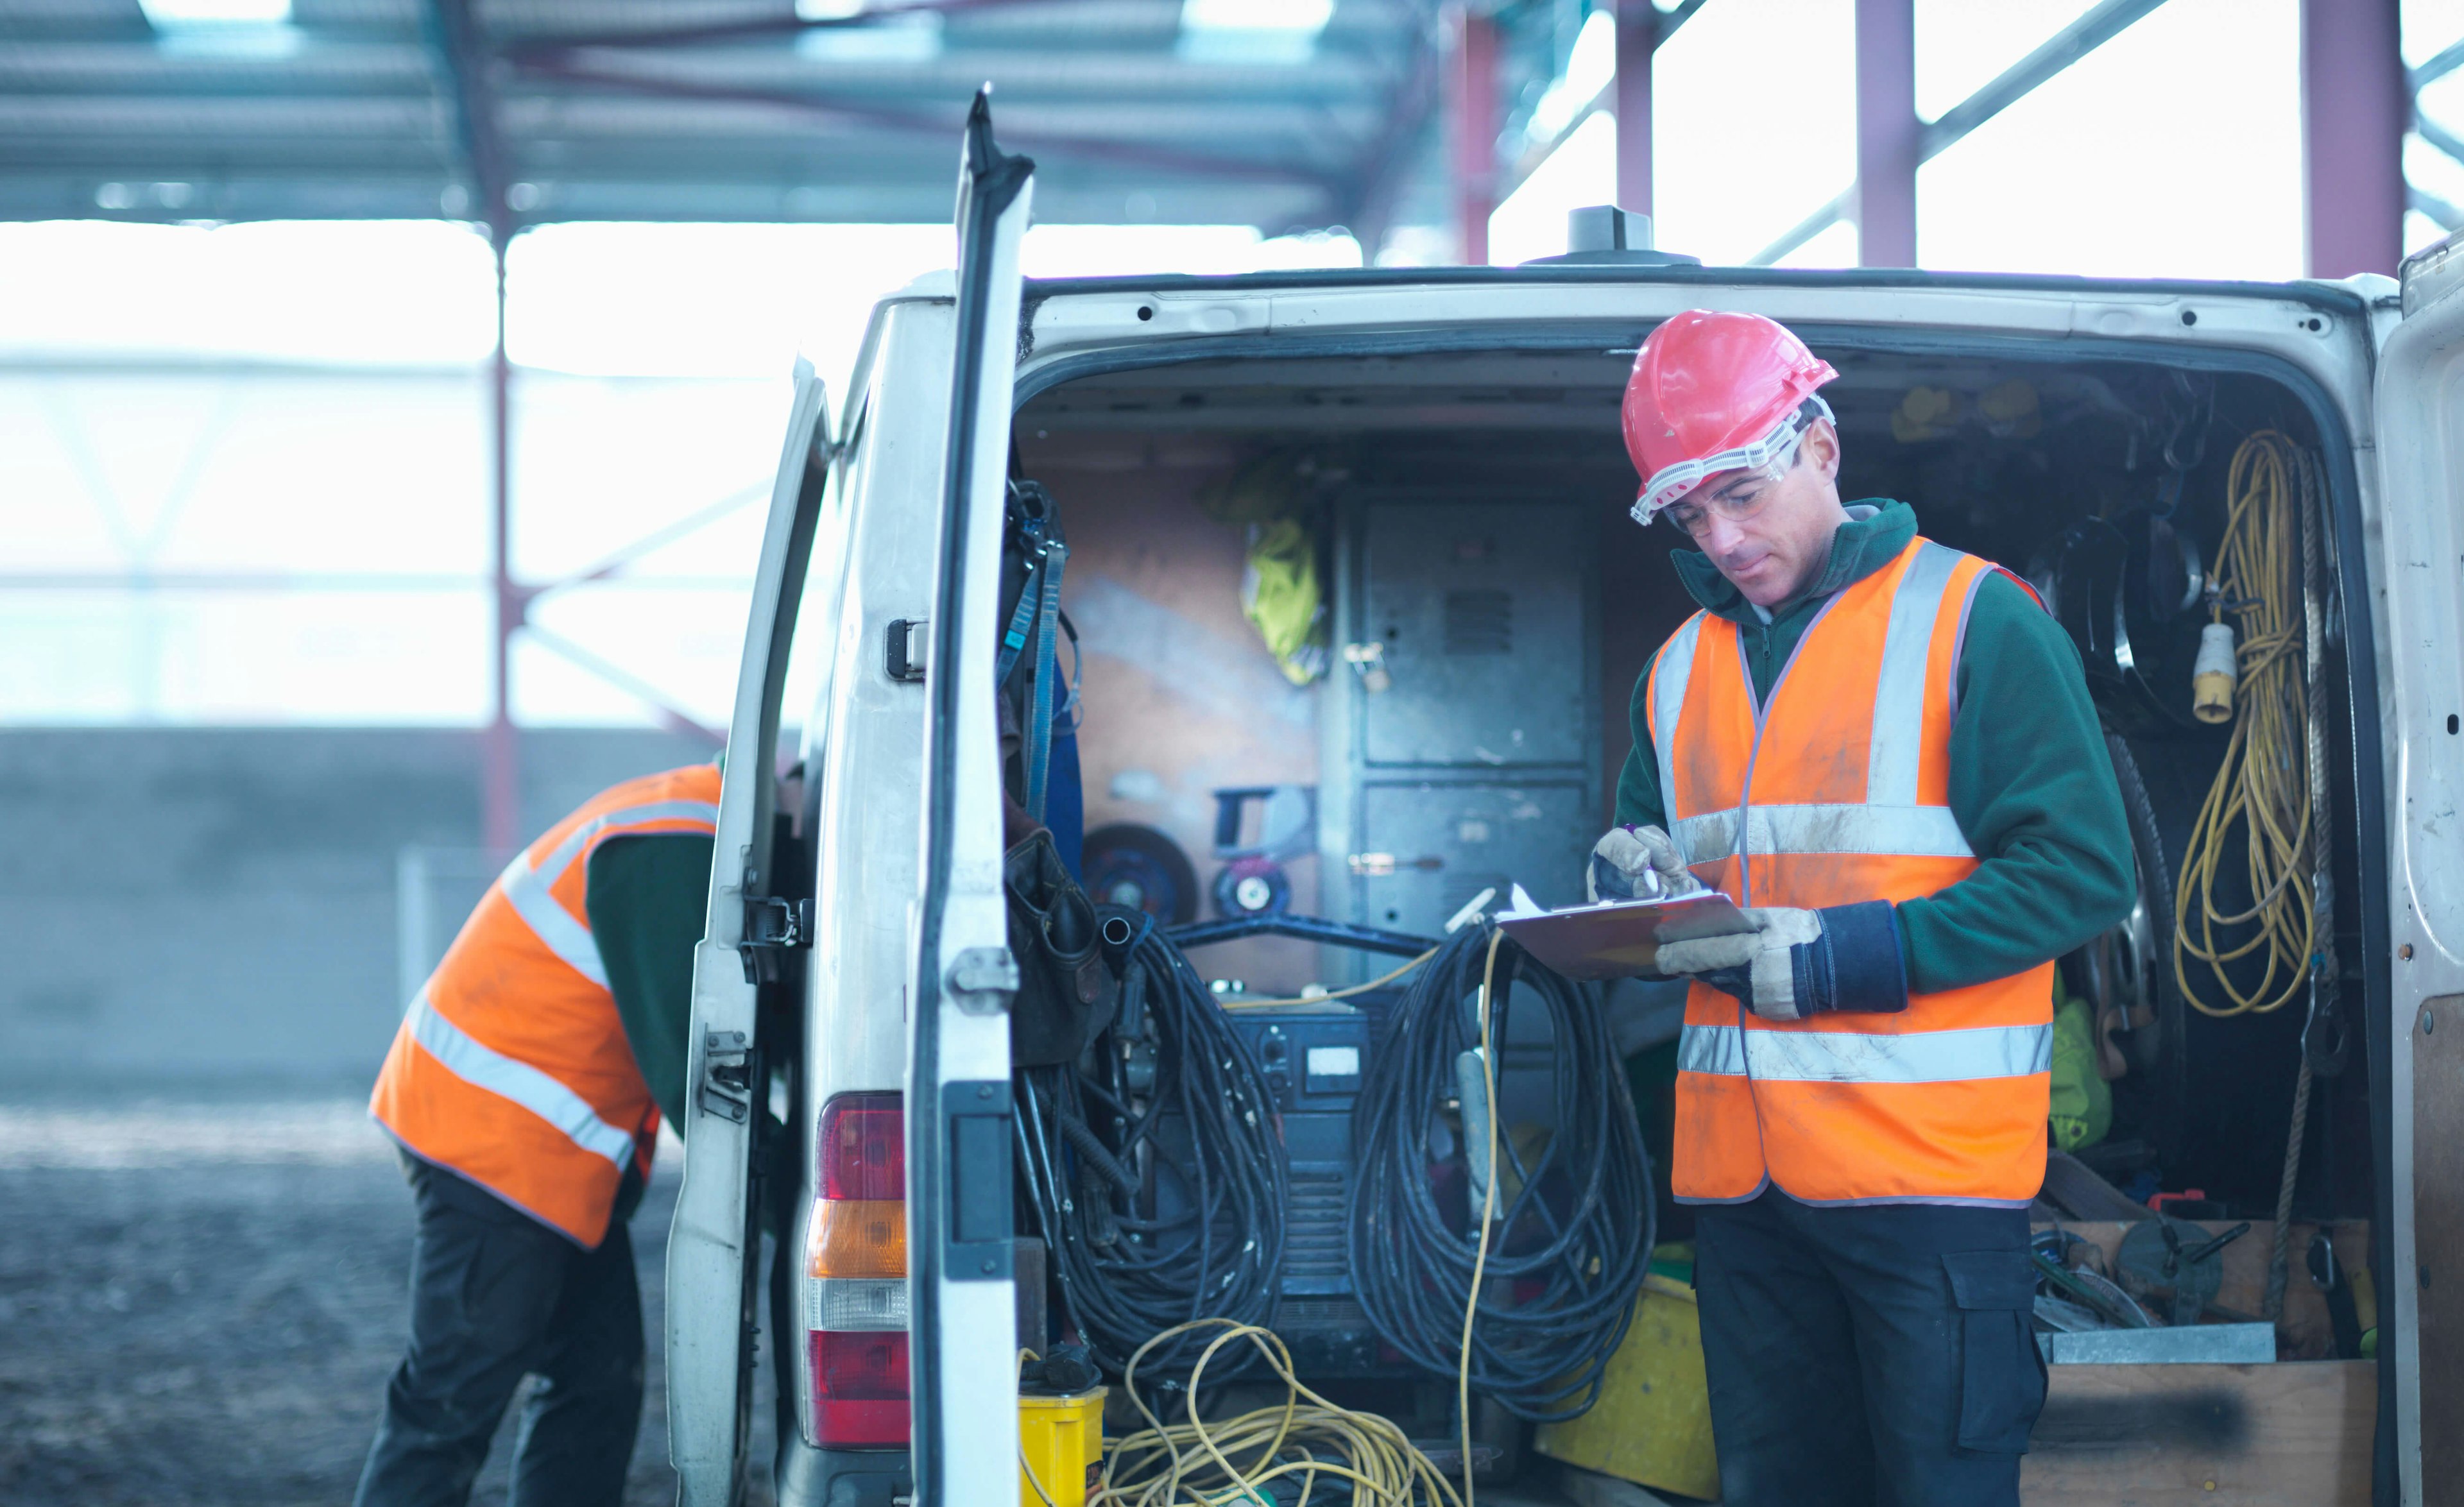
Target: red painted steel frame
[1638, 37]
[1472, 73]
[1887, 137]
[2356, 105]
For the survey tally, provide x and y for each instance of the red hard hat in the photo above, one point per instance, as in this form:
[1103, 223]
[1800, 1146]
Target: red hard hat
[1713, 392]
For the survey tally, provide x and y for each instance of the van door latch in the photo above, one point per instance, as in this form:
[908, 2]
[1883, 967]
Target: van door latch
[772, 925]
[903, 651]
[727, 1074]
[982, 977]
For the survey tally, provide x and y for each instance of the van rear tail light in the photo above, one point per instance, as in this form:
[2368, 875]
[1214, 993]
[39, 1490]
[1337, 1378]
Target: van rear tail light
[855, 1275]
[860, 1389]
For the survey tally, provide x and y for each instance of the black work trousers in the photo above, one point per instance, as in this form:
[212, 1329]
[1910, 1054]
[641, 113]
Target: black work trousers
[1881, 1354]
[496, 1295]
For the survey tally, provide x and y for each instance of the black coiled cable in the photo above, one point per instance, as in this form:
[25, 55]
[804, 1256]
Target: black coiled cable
[1569, 1248]
[1201, 1136]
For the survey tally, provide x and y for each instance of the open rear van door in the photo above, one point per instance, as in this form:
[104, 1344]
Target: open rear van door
[714, 1246]
[961, 1316]
[2420, 572]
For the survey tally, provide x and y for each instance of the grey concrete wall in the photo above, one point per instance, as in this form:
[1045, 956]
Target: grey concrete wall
[186, 905]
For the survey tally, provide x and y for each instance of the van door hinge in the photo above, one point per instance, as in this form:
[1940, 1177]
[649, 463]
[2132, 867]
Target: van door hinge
[773, 926]
[727, 1074]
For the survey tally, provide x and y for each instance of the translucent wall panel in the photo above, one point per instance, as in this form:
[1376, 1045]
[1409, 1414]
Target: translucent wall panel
[2430, 27]
[2173, 150]
[296, 546]
[224, 469]
[222, 656]
[1754, 123]
[385, 293]
[633, 648]
[603, 464]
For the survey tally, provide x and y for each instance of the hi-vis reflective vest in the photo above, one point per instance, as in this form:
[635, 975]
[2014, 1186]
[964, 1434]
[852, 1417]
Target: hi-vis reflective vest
[1834, 791]
[512, 1066]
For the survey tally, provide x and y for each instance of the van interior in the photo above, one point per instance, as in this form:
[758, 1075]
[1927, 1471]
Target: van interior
[1355, 638]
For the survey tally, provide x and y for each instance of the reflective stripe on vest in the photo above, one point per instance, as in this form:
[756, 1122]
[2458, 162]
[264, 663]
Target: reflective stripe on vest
[531, 891]
[526, 1085]
[1866, 1057]
[1922, 831]
[1834, 788]
[512, 1067]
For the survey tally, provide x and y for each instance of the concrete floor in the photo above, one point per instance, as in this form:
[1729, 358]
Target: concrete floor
[200, 1301]
[201, 1298]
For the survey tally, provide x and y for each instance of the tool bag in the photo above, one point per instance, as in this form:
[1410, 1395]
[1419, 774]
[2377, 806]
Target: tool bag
[1065, 992]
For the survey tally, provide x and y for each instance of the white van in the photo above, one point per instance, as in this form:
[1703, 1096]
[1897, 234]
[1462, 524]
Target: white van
[1481, 403]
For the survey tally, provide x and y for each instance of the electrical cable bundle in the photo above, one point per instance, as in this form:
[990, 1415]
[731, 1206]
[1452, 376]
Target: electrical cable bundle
[2264, 785]
[1101, 1152]
[2271, 572]
[1562, 1261]
[1203, 1464]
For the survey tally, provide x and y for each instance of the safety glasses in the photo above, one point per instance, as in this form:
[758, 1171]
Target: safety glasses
[1744, 477]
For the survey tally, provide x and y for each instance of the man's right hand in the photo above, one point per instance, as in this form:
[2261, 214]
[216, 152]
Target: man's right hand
[1637, 863]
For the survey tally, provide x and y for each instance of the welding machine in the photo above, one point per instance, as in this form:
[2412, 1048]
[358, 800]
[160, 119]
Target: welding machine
[1314, 1055]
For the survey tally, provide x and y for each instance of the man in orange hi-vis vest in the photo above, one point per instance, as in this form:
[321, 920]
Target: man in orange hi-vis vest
[1884, 751]
[524, 1089]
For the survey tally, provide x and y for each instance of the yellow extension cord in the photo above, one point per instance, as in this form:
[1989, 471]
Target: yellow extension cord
[2264, 785]
[1190, 1464]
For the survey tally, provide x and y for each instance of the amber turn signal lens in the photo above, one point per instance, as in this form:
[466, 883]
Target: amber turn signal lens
[859, 1237]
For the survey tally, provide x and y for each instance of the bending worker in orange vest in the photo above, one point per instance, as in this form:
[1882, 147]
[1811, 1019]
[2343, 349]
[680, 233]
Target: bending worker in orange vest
[524, 1088]
[1884, 750]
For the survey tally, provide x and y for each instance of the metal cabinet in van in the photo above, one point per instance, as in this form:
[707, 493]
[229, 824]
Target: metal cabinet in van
[854, 979]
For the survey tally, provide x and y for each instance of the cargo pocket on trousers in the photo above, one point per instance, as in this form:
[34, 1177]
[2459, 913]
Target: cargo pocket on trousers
[2001, 1373]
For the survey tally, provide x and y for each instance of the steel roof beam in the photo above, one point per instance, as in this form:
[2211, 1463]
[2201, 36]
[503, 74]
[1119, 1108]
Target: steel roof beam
[461, 62]
[929, 122]
[2065, 47]
[2438, 68]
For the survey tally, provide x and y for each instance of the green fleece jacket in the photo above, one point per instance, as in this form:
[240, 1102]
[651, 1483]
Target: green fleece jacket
[649, 899]
[2031, 783]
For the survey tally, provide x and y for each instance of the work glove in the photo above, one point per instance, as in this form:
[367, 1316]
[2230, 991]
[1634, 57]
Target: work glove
[1799, 963]
[1637, 863]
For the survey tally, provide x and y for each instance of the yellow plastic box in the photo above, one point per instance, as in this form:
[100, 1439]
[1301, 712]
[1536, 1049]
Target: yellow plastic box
[1063, 1441]
[1653, 1422]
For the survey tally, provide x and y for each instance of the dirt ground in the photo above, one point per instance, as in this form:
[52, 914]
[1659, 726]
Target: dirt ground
[201, 1298]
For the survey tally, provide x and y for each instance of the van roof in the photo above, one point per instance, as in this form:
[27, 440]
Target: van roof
[2351, 295]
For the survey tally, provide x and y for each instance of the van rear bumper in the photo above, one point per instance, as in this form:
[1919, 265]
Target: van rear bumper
[806, 1477]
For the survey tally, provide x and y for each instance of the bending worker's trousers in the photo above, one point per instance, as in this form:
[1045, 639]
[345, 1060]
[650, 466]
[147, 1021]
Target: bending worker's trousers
[1881, 1354]
[496, 1295]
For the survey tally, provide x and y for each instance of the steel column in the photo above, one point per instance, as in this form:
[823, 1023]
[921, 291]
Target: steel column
[1471, 72]
[500, 777]
[1638, 37]
[2356, 105]
[1887, 133]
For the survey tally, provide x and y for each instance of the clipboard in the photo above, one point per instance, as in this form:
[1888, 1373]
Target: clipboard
[1616, 938]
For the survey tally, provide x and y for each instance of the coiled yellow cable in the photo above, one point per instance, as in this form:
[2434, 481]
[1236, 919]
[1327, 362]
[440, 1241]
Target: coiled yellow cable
[2264, 785]
[1192, 1464]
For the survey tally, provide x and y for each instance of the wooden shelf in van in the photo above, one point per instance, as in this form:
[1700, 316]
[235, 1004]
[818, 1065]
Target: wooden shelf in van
[2304, 1332]
[2294, 1432]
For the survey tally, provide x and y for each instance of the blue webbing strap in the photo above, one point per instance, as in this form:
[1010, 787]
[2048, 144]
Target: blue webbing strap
[1021, 620]
[1038, 722]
